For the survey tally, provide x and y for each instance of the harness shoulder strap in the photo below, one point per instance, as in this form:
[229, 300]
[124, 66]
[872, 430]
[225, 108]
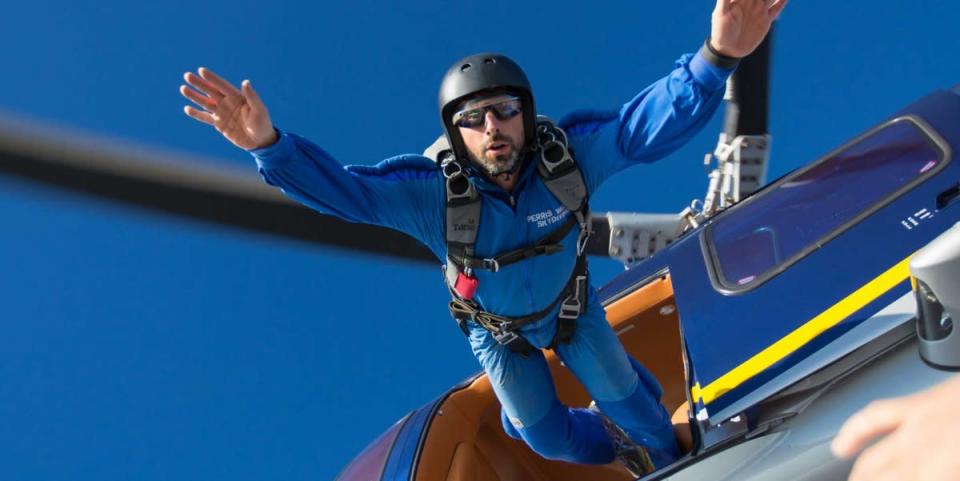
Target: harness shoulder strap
[464, 205]
[562, 175]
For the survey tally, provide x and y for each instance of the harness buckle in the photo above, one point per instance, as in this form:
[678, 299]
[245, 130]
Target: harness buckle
[569, 309]
[457, 185]
[582, 241]
[451, 169]
[572, 307]
[511, 340]
[586, 229]
[548, 132]
[554, 155]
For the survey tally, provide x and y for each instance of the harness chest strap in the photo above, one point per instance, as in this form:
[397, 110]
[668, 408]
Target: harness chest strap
[550, 244]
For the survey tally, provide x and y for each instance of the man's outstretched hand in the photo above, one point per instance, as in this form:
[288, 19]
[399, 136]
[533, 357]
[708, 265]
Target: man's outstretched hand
[916, 437]
[238, 114]
[738, 26]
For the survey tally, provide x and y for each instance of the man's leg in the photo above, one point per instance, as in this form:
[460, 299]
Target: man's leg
[622, 388]
[525, 388]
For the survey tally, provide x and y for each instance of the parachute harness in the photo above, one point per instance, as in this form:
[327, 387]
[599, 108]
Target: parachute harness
[559, 172]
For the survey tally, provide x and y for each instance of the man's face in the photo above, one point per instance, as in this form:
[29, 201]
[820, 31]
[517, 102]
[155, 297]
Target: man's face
[492, 131]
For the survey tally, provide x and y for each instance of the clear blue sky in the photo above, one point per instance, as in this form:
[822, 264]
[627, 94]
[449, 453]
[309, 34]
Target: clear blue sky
[135, 346]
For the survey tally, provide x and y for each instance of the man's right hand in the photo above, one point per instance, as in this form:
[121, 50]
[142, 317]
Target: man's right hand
[238, 114]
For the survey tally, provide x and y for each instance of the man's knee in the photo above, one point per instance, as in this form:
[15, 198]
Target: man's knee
[548, 446]
[571, 435]
[546, 437]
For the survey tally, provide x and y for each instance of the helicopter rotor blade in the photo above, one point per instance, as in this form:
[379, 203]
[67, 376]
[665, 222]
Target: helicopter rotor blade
[166, 183]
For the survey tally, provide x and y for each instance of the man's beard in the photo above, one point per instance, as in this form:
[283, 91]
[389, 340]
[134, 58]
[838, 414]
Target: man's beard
[498, 164]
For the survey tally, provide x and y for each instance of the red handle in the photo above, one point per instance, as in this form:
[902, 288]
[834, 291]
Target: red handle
[466, 287]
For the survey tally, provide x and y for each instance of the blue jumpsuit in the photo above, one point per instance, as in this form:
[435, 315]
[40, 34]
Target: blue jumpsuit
[407, 193]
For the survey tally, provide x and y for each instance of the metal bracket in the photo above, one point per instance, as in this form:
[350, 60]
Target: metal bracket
[741, 169]
[634, 237]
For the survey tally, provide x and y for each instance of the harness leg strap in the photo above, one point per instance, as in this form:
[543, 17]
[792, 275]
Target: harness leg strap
[463, 311]
[513, 341]
[570, 309]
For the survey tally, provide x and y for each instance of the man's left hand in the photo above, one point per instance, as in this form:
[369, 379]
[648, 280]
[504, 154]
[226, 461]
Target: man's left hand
[738, 26]
[915, 437]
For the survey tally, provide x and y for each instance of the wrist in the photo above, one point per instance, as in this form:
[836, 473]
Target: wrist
[277, 154]
[714, 55]
[269, 140]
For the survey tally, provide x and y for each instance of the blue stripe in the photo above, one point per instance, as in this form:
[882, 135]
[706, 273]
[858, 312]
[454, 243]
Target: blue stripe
[399, 466]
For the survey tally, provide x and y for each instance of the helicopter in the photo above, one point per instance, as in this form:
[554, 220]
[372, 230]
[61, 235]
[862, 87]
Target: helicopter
[767, 319]
[756, 329]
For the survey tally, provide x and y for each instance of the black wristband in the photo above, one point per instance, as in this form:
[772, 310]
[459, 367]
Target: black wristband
[717, 58]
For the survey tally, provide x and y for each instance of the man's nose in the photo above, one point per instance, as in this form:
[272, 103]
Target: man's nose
[490, 122]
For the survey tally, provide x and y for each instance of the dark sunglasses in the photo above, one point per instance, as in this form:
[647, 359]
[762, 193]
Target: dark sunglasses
[476, 116]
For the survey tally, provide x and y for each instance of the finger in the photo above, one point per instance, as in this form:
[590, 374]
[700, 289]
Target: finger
[202, 85]
[218, 81]
[877, 419]
[723, 5]
[754, 7]
[253, 98]
[196, 97]
[775, 8]
[876, 463]
[204, 117]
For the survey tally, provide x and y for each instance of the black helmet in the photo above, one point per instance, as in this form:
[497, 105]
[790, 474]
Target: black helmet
[479, 73]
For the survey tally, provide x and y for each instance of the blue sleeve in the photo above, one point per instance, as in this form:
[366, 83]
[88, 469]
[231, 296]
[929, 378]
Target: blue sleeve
[404, 193]
[660, 119]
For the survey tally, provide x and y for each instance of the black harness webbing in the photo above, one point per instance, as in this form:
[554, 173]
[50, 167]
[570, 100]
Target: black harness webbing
[572, 301]
[546, 246]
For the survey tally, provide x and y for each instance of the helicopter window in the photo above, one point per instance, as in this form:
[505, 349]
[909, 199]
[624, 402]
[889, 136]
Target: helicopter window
[804, 210]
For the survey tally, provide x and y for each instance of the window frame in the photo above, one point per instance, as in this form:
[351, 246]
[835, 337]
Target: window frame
[724, 286]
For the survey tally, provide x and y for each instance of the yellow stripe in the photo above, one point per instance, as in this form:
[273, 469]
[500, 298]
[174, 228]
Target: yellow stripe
[804, 334]
[695, 391]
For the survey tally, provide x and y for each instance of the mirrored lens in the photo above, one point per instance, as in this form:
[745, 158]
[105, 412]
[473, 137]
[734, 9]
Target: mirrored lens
[506, 110]
[475, 117]
[472, 118]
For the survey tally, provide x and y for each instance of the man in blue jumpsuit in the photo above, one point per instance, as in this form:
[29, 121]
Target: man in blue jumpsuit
[491, 128]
